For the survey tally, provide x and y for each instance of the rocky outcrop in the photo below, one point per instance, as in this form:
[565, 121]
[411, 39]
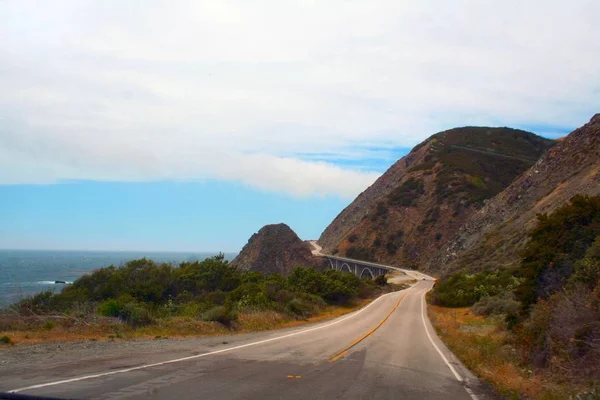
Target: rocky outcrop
[276, 248]
[421, 202]
[493, 236]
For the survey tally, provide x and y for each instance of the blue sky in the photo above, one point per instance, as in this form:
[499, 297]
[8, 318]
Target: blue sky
[188, 125]
[175, 216]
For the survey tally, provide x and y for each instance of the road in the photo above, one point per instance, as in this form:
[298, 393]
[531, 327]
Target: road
[387, 350]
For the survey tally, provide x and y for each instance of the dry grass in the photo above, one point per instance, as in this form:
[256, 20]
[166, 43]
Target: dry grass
[486, 349]
[25, 330]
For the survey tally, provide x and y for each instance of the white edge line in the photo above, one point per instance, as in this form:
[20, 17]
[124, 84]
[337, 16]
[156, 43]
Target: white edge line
[473, 396]
[120, 371]
[456, 375]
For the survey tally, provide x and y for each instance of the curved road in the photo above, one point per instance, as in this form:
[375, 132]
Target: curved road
[387, 350]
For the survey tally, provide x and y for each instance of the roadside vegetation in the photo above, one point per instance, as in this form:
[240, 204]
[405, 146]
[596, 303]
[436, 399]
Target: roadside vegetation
[144, 298]
[533, 331]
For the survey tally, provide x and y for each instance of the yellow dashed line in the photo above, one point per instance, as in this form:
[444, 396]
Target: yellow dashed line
[344, 352]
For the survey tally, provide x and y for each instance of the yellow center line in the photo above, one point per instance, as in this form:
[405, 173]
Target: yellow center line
[344, 351]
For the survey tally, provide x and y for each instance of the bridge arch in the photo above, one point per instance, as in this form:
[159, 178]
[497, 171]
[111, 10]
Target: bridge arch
[370, 272]
[331, 263]
[344, 265]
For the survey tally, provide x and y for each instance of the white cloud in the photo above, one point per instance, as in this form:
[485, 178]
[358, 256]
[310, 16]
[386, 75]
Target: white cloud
[257, 91]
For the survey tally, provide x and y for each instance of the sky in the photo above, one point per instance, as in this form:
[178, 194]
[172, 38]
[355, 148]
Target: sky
[187, 125]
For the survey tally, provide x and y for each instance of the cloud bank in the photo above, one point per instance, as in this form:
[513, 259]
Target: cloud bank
[274, 93]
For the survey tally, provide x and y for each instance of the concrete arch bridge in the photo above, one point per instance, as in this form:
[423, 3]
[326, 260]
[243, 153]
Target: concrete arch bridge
[363, 268]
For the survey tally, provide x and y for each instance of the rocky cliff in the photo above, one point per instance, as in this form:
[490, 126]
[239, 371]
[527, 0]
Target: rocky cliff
[418, 205]
[494, 235]
[276, 248]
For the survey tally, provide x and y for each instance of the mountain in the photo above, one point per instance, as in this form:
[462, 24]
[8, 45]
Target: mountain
[495, 235]
[276, 248]
[419, 204]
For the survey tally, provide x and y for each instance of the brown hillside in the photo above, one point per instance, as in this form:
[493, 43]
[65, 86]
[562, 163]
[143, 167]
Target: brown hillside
[494, 236]
[419, 204]
[276, 248]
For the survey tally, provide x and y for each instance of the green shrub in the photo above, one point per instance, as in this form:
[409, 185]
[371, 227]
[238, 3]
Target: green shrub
[301, 307]
[221, 314]
[556, 243]
[250, 296]
[464, 290]
[136, 314]
[142, 291]
[381, 212]
[6, 340]
[406, 194]
[333, 286]
[49, 325]
[360, 253]
[190, 310]
[40, 303]
[110, 308]
[500, 304]
[381, 280]
[587, 270]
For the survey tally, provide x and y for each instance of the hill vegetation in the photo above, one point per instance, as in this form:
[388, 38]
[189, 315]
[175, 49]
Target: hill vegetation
[144, 293]
[550, 303]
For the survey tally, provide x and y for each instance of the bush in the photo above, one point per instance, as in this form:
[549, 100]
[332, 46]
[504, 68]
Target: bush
[334, 287]
[381, 280]
[464, 290]
[221, 314]
[136, 314]
[391, 247]
[407, 193]
[250, 296]
[587, 270]
[301, 307]
[49, 325]
[360, 253]
[6, 340]
[40, 303]
[564, 331]
[501, 304]
[110, 308]
[556, 243]
[190, 310]
[142, 291]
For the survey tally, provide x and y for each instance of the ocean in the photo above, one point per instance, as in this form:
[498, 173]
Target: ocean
[27, 272]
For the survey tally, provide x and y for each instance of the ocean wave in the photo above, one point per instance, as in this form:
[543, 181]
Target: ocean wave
[52, 283]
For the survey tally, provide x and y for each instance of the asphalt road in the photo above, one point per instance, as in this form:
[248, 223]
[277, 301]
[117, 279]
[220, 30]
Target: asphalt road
[387, 350]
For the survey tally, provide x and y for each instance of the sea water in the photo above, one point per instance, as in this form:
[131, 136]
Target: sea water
[27, 272]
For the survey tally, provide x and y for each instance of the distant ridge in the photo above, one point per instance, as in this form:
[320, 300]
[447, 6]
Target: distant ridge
[494, 235]
[420, 203]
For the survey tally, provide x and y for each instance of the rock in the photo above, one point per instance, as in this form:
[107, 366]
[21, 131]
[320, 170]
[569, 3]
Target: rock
[276, 248]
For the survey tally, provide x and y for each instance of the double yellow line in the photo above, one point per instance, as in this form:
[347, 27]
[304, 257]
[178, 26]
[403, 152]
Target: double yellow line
[344, 351]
